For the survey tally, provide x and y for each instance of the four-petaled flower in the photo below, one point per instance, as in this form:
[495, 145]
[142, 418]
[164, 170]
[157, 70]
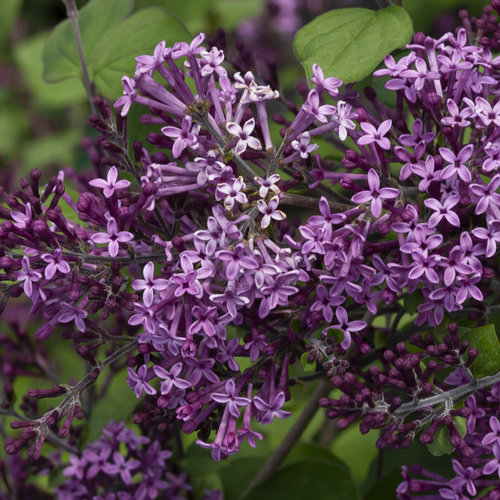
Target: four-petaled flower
[70, 313]
[171, 378]
[56, 263]
[112, 237]
[375, 195]
[270, 211]
[28, 275]
[110, 185]
[186, 136]
[138, 381]
[375, 135]
[312, 107]
[231, 398]
[149, 284]
[346, 326]
[443, 210]
[271, 408]
[122, 467]
[303, 146]
[244, 136]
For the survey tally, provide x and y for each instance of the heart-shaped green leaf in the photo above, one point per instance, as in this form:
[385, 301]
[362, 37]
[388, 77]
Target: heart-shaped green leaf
[136, 36]
[350, 43]
[60, 56]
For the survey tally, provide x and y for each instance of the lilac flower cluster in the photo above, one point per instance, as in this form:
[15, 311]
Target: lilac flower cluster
[196, 263]
[121, 465]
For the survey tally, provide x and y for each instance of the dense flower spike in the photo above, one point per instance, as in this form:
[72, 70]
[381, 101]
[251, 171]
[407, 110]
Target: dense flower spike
[406, 226]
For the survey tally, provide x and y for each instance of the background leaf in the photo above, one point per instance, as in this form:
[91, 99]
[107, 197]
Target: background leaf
[118, 404]
[60, 57]
[321, 479]
[28, 56]
[137, 35]
[441, 444]
[485, 340]
[350, 43]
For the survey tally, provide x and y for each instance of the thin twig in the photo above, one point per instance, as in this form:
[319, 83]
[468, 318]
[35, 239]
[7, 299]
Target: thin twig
[72, 13]
[51, 436]
[310, 202]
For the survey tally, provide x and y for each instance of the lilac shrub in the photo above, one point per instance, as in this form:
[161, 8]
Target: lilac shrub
[184, 257]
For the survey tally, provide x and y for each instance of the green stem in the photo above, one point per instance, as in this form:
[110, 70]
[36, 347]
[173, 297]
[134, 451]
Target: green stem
[72, 13]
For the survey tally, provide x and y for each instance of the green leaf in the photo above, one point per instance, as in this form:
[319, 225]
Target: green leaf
[60, 56]
[306, 479]
[485, 340]
[308, 366]
[238, 474]
[350, 43]
[356, 449]
[137, 35]
[28, 57]
[305, 451]
[412, 301]
[67, 210]
[441, 444]
[118, 404]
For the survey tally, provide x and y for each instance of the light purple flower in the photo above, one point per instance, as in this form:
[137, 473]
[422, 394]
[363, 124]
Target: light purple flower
[312, 107]
[271, 408]
[244, 136]
[457, 164]
[128, 97]
[28, 275]
[171, 378]
[341, 117]
[330, 84]
[493, 437]
[270, 211]
[346, 326]
[138, 381]
[487, 194]
[110, 185]
[211, 62]
[147, 64]
[268, 184]
[149, 284]
[23, 220]
[113, 237]
[69, 313]
[375, 135]
[186, 136]
[375, 195]
[231, 193]
[230, 398]
[122, 467]
[56, 263]
[443, 210]
[303, 146]
[493, 465]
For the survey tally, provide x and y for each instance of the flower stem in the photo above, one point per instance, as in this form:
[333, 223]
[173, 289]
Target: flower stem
[72, 13]
[309, 202]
